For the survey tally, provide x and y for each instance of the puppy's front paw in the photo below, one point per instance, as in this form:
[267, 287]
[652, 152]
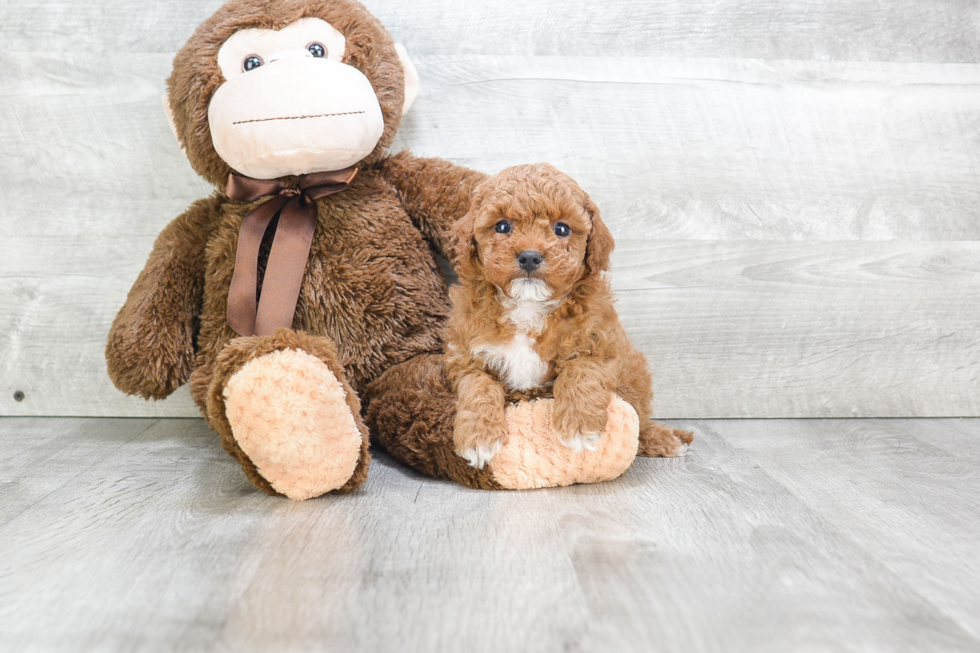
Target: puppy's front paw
[579, 425]
[582, 441]
[479, 440]
[480, 455]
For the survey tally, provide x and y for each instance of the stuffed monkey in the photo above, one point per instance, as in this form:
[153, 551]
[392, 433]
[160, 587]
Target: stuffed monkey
[302, 300]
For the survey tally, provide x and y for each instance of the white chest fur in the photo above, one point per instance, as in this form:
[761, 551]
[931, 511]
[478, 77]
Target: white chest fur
[528, 316]
[518, 365]
[526, 306]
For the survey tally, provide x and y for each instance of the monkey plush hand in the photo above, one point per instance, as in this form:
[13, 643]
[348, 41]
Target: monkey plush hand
[302, 300]
[309, 272]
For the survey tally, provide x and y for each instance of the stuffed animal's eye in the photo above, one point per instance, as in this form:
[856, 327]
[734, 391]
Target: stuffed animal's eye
[252, 62]
[562, 230]
[502, 227]
[317, 50]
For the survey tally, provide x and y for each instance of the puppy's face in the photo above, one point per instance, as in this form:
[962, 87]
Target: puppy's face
[542, 240]
[533, 233]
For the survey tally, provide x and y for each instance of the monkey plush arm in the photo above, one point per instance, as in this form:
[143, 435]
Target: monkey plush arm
[434, 192]
[151, 342]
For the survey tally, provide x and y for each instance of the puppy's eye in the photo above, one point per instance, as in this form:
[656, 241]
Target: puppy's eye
[317, 50]
[502, 227]
[252, 62]
[562, 230]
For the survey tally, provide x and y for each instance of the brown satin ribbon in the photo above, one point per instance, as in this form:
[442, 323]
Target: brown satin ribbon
[290, 247]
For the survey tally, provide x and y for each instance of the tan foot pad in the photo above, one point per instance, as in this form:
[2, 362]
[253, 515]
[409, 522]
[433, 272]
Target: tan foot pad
[534, 457]
[288, 413]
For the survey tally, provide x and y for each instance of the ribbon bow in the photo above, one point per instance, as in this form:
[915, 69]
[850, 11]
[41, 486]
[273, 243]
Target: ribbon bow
[290, 247]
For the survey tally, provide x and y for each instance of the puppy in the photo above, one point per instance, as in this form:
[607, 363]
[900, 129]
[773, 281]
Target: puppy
[533, 315]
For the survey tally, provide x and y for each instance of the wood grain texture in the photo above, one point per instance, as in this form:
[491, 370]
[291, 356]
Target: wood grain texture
[669, 149]
[852, 329]
[769, 536]
[893, 468]
[855, 30]
[714, 150]
[867, 146]
[735, 329]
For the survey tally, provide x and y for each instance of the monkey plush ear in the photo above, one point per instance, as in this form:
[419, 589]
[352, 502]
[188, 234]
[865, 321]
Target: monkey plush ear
[411, 78]
[601, 242]
[170, 119]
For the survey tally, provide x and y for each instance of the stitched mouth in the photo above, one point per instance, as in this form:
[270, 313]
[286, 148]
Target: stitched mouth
[318, 115]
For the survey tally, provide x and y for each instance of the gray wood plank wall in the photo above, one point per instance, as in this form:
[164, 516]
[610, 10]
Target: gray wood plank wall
[794, 186]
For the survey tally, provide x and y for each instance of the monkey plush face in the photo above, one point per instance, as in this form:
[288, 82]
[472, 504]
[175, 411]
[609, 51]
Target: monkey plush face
[270, 89]
[289, 105]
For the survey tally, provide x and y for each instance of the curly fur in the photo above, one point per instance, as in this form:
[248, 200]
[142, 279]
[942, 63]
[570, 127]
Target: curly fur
[411, 409]
[554, 327]
[372, 295]
[373, 305]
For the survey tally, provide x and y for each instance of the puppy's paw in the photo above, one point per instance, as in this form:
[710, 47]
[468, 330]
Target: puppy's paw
[580, 425]
[681, 450]
[480, 455]
[582, 441]
[672, 449]
[660, 441]
[478, 441]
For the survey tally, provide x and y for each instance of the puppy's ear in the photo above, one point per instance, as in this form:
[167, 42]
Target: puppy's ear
[462, 238]
[463, 243]
[601, 243]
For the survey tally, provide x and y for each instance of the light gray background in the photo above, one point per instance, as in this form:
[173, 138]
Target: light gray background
[793, 186]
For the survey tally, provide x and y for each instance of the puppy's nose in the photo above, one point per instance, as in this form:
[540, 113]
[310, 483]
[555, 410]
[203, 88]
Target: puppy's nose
[529, 261]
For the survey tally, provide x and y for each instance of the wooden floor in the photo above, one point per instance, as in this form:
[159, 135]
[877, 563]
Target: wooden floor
[780, 535]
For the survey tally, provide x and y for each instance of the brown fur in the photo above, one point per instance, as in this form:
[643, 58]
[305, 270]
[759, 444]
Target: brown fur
[411, 409]
[150, 352]
[373, 305]
[434, 192]
[196, 75]
[581, 340]
[372, 296]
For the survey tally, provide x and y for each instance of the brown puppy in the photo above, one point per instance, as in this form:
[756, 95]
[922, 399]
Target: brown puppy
[534, 313]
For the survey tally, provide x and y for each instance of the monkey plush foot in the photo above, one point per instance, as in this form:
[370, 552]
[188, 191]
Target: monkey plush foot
[289, 414]
[534, 456]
